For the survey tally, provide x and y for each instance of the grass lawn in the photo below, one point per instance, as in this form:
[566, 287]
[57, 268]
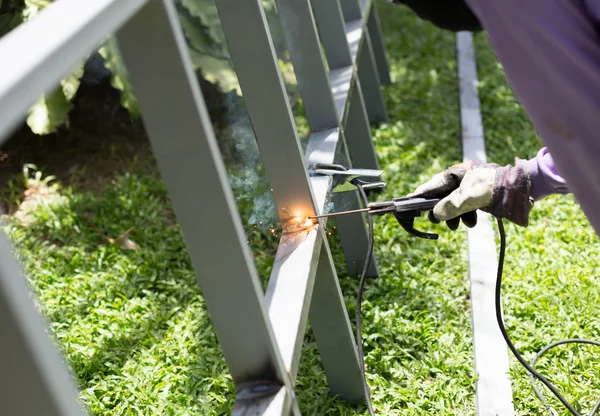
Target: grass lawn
[135, 330]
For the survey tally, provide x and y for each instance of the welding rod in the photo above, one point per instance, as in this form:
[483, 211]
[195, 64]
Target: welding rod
[332, 214]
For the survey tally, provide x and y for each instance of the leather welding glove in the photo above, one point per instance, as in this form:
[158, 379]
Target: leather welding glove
[501, 191]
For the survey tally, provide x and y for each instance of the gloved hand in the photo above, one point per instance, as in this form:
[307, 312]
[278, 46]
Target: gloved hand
[502, 191]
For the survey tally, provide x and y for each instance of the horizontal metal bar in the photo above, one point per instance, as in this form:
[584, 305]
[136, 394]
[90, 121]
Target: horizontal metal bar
[33, 379]
[341, 84]
[354, 36]
[39, 53]
[183, 140]
[493, 388]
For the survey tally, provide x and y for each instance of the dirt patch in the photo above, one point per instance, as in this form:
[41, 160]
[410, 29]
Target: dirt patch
[99, 141]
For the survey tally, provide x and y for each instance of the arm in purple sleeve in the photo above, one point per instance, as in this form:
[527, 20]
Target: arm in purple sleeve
[545, 179]
[550, 52]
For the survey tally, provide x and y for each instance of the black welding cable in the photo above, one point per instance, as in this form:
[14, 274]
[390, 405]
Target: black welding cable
[361, 287]
[511, 346]
[499, 318]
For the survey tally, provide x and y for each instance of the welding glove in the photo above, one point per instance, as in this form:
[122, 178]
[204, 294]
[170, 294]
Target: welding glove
[501, 191]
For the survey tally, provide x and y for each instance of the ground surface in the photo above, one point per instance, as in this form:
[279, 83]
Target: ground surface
[133, 324]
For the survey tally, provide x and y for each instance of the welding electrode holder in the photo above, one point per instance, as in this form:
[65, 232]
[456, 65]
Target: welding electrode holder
[346, 179]
[405, 210]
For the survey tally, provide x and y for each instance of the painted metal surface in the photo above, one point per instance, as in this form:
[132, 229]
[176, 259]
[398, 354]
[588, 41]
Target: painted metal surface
[33, 378]
[494, 392]
[181, 134]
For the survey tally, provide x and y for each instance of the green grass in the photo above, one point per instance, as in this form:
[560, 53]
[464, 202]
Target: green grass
[134, 326]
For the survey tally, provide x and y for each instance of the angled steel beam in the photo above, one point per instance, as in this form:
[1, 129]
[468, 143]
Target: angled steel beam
[302, 40]
[332, 32]
[258, 72]
[374, 27]
[39, 53]
[180, 130]
[33, 378]
[352, 9]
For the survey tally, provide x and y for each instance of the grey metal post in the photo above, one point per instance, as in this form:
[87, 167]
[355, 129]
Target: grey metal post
[303, 42]
[352, 10]
[180, 130]
[332, 32]
[362, 152]
[370, 82]
[33, 379]
[374, 27]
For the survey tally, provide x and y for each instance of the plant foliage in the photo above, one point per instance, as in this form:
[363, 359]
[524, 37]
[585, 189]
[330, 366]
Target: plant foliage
[207, 46]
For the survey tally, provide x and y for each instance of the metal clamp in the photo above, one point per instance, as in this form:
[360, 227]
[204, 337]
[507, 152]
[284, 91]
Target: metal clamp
[345, 180]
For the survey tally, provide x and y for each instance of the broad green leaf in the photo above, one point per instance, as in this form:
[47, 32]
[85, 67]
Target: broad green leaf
[48, 112]
[119, 79]
[70, 84]
[218, 71]
[214, 67]
[33, 7]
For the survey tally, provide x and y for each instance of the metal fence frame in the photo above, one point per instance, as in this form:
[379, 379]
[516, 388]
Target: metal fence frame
[260, 334]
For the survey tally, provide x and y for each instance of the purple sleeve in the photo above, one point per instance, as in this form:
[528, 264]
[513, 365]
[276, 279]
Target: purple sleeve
[550, 52]
[545, 179]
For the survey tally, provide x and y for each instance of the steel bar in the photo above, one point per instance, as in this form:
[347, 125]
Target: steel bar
[309, 66]
[362, 152]
[370, 82]
[493, 387]
[33, 379]
[332, 32]
[374, 27]
[181, 134]
[333, 333]
[353, 234]
[328, 314]
[39, 53]
[300, 33]
[290, 286]
[351, 9]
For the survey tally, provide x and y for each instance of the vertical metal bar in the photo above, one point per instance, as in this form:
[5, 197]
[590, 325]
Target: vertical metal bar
[332, 31]
[369, 80]
[358, 131]
[374, 27]
[33, 379]
[333, 332]
[188, 156]
[351, 10]
[493, 388]
[303, 42]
